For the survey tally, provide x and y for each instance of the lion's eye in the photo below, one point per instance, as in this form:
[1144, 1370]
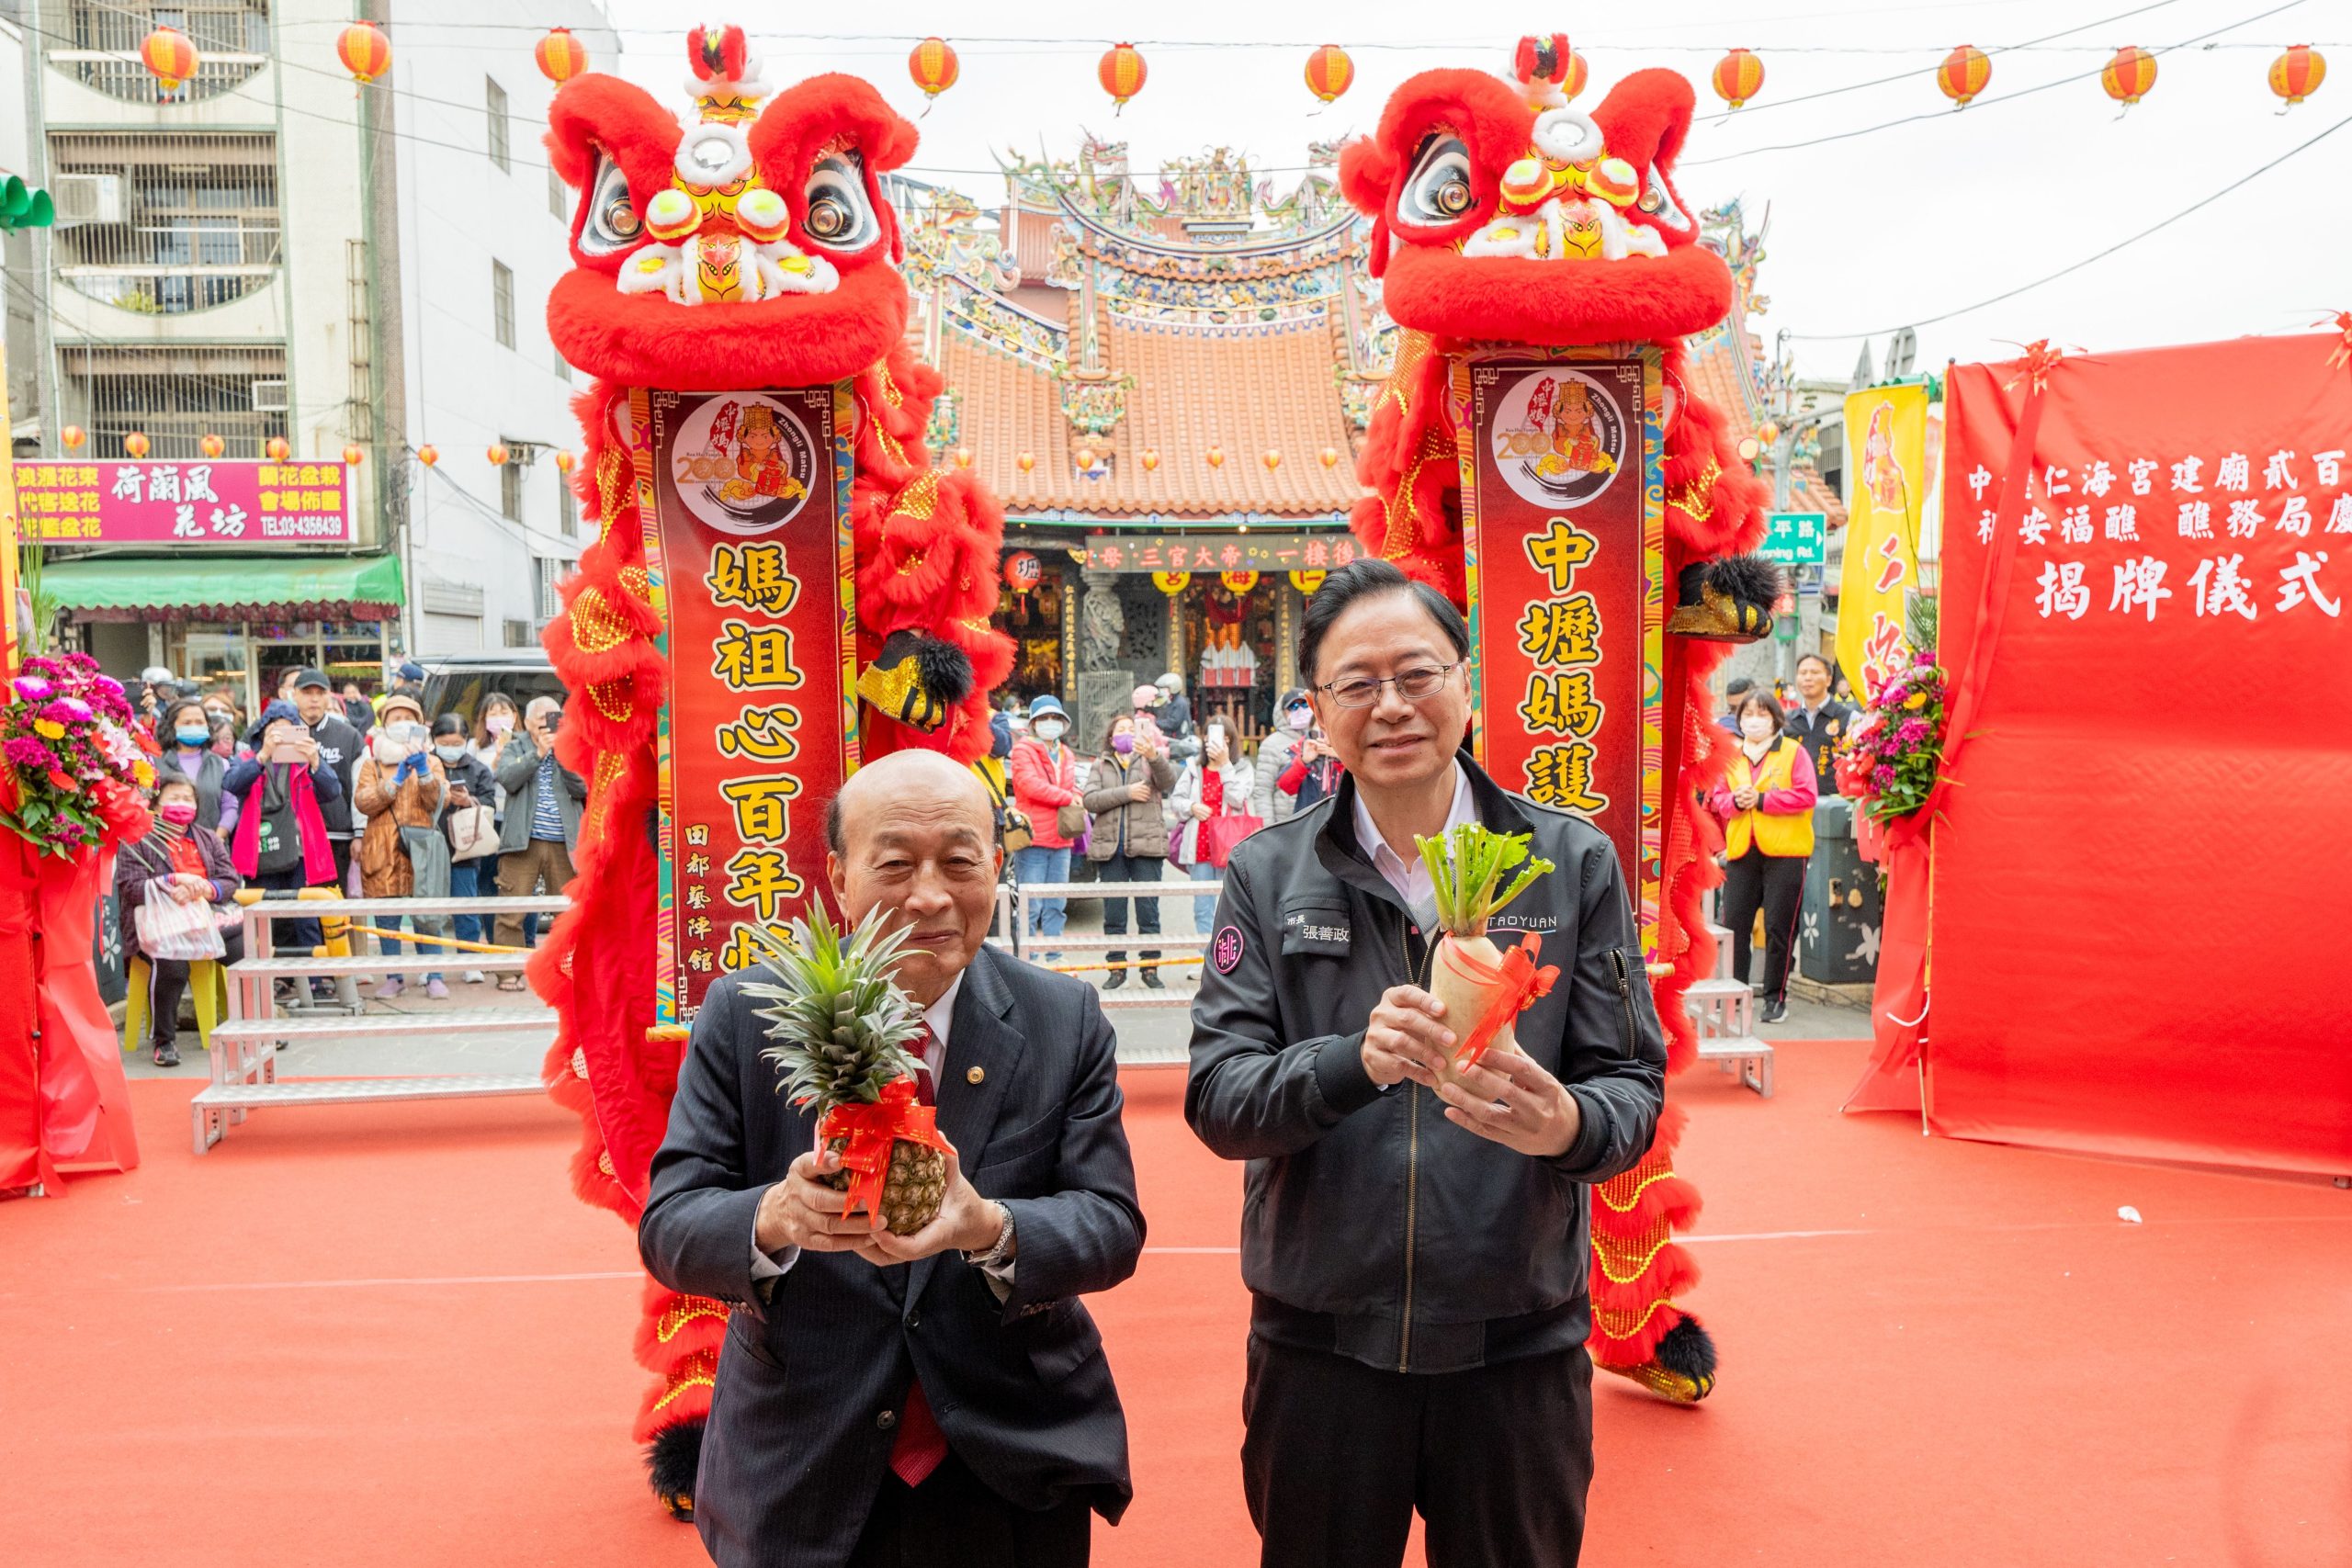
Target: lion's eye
[839, 217]
[1438, 190]
[613, 222]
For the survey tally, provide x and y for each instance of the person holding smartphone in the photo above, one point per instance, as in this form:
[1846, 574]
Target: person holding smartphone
[280, 842]
[402, 788]
[1314, 771]
[542, 826]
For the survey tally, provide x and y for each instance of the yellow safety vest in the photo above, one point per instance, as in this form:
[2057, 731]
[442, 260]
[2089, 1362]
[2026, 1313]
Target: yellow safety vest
[1787, 834]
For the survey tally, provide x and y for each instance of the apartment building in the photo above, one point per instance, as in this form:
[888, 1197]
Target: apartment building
[271, 250]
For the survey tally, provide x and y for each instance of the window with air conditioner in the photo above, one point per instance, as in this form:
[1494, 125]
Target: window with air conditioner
[502, 303]
[497, 104]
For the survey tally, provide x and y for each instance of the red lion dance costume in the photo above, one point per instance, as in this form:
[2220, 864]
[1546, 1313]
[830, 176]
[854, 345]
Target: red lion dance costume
[1503, 216]
[745, 246]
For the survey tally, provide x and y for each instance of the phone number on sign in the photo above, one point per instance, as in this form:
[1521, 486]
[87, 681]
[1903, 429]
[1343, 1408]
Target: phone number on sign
[331, 526]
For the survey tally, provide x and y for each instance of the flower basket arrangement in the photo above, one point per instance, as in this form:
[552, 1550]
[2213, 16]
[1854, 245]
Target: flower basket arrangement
[1484, 988]
[1888, 761]
[76, 757]
[840, 1029]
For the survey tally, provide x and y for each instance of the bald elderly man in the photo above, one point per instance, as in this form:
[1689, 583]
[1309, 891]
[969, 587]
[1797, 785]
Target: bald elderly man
[941, 1397]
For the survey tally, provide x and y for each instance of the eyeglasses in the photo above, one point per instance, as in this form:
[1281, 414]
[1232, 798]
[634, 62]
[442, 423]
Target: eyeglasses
[1413, 685]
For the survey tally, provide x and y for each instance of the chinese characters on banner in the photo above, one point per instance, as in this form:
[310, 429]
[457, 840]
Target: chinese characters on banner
[1886, 446]
[748, 547]
[203, 502]
[2139, 865]
[1563, 515]
[1220, 553]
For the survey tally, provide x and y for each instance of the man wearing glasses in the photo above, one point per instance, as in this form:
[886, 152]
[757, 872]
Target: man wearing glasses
[1417, 1251]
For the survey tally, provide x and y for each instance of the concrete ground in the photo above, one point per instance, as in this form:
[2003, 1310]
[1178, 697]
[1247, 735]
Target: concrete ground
[1153, 1031]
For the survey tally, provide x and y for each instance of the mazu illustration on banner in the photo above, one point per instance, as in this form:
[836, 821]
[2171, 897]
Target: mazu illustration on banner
[1886, 446]
[1562, 514]
[749, 549]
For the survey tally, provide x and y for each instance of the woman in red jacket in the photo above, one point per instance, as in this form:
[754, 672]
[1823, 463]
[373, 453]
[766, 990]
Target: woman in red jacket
[1044, 780]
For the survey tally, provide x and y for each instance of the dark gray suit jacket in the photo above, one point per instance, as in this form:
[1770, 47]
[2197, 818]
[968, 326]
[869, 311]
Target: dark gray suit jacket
[813, 1380]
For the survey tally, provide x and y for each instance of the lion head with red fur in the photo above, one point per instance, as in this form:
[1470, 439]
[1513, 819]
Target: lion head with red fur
[761, 227]
[1499, 212]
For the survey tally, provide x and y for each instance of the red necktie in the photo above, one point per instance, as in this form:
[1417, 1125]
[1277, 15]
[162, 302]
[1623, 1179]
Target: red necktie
[921, 1444]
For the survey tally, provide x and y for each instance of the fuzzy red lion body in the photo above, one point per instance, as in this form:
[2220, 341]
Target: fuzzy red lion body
[748, 249]
[1436, 179]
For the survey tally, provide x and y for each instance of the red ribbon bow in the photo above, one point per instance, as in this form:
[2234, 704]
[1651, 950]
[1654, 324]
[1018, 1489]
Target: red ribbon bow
[2342, 323]
[1522, 984]
[871, 1129]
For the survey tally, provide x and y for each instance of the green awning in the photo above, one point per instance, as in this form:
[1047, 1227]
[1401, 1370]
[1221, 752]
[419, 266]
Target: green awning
[226, 587]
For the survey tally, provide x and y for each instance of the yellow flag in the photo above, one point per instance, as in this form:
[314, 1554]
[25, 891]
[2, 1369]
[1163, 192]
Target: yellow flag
[1886, 465]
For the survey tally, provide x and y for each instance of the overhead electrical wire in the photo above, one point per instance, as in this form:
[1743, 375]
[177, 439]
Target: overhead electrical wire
[2238, 183]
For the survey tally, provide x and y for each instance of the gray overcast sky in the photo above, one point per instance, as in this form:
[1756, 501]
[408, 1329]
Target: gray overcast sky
[1867, 233]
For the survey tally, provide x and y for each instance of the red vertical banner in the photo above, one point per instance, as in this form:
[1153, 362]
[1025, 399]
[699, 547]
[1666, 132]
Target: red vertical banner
[1563, 519]
[749, 552]
[2137, 870]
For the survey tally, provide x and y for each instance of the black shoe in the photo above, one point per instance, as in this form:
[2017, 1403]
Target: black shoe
[168, 1055]
[1118, 978]
[1151, 979]
[1774, 1013]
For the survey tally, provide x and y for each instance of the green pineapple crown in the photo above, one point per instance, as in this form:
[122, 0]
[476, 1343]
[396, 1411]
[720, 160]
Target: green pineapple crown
[839, 1025]
[1466, 866]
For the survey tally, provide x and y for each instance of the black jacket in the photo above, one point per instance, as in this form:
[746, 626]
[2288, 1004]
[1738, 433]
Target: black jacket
[1819, 735]
[1371, 1225]
[811, 1381]
[339, 748]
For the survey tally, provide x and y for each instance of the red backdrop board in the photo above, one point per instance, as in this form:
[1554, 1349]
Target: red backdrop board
[1562, 513]
[749, 549]
[2139, 878]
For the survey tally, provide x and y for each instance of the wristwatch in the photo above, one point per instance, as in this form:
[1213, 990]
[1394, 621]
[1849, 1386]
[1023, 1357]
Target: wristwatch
[994, 1255]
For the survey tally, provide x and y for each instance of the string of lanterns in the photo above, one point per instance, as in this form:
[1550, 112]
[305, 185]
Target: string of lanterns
[1737, 78]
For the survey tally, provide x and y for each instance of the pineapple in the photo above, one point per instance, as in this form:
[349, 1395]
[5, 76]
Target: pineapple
[840, 1029]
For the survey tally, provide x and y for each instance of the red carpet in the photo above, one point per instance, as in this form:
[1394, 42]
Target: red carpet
[387, 1336]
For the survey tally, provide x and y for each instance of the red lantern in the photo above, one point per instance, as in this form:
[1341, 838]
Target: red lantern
[73, 435]
[364, 52]
[932, 65]
[169, 57]
[2129, 75]
[1121, 71]
[963, 455]
[1329, 71]
[497, 454]
[1330, 455]
[2297, 73]
[565, 462]
[1025, 462]
[136, 443]
[560, 55]
[428, 455]
[1272, 458]
[278, 449]
[1215, 454]
[1023, 572]
[354, 454]
[1738, 77]
[1085, 456]
[211, 446]
[1963, 73]
[1149, 457]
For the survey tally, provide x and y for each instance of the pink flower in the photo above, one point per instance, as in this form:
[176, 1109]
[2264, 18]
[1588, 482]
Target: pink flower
[1914, 729]
[32, 688]
[1882, 776]
[25, 752]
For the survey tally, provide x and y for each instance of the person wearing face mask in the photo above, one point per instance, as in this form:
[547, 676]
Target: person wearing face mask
[338, 745]
[494, 721]
[1218, 783]
[402, 788]
[1293, 717]
[471, 783]
[283, 788]
[225, 747]
[1045, 790]
[182, 860]
[1766, 801]
[1129, 839]
[187, 737]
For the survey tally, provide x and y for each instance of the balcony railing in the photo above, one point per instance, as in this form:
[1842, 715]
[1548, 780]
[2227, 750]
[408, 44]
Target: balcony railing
[231, 39]
[168, 269]
[125, 77]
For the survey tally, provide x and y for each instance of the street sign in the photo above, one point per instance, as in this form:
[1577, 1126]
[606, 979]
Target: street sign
[1796, 538]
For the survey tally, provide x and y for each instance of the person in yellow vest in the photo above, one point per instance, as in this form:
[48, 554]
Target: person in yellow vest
[1766, 802]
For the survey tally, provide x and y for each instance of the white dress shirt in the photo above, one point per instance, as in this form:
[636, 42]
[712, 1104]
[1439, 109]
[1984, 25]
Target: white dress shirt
[1408, 874]
[938, 1017]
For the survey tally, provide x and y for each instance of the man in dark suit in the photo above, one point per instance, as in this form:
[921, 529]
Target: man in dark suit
[941, 1397]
